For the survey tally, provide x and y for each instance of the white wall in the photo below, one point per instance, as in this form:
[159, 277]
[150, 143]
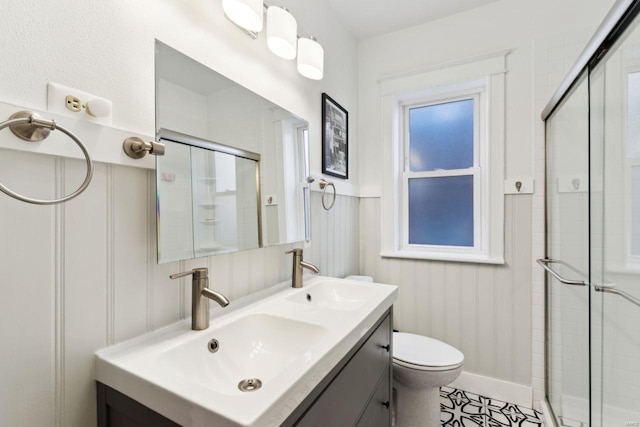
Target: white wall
[82, 275]
[110, 53]
[483, 309]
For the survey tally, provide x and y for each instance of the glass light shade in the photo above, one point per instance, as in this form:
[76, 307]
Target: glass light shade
[245, 13]
[310, 58]
[282, 32]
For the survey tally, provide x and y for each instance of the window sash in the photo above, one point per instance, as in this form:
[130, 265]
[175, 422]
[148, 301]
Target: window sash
[453, 97]
[476, 171]
[477, 217]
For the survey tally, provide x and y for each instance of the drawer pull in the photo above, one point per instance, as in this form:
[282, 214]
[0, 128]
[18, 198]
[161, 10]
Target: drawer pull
[386, 347]
[386, 404]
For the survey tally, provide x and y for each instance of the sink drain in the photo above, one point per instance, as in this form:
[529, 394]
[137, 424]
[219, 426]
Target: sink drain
[250, 384]
[213, 345]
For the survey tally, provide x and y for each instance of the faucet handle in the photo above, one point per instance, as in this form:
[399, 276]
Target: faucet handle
[198, 273]
[295, 251]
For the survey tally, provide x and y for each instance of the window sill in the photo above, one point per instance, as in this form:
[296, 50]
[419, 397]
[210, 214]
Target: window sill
[469, 258]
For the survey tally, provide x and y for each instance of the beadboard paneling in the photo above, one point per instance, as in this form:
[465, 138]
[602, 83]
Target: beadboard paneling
[335, 243]
[484, 310]
[85, 296]
[130, 207]
[27, 292]
[83, 275]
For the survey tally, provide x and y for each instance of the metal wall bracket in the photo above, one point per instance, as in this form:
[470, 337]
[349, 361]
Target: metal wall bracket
[136, 148]
[35, 129]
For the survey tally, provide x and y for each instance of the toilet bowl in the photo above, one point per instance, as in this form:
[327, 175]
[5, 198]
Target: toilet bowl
[421, 365]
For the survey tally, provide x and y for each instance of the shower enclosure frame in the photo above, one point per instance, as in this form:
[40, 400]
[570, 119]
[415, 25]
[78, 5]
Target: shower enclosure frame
[620, 18]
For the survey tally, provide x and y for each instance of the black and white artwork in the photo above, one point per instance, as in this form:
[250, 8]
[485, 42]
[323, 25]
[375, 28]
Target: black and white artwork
[335, 138]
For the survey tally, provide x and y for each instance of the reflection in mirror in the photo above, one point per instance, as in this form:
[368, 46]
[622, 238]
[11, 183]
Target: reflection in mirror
[197, 105]
[219, 186]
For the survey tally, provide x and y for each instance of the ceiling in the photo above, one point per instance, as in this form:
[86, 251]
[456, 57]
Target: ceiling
[370, 18]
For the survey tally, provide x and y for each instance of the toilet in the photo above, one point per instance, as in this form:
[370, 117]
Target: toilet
[421, 365]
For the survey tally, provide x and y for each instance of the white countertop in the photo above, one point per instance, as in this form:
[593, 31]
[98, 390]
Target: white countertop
[285, 340]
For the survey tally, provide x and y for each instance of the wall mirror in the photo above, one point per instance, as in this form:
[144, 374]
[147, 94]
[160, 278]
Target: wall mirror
[234, 173]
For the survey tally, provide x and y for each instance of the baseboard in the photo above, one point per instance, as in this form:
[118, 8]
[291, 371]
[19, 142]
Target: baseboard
[547, 416]
[496, 389]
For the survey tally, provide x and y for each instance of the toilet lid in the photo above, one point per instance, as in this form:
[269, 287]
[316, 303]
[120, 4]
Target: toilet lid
[424, 351]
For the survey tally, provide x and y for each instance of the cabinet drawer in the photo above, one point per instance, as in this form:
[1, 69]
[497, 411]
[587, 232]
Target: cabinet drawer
[345, 398]
[378, 412]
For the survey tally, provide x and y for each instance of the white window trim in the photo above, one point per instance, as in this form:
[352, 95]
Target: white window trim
[459, 79]
[631, 262]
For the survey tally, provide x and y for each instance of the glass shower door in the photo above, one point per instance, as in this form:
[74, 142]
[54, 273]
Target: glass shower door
[568, 258]
[615, 230]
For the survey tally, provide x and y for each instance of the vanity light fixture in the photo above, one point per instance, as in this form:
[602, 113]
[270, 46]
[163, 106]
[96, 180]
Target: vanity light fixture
[310, 58]
[282, 32]
[247, 14]
[282, 38]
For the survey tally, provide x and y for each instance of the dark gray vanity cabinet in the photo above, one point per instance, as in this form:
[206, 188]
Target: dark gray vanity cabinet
[357, 392]
[118, 410]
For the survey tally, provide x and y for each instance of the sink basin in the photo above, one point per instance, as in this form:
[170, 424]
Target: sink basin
[254, 346]
[289, 339]
[335, 295]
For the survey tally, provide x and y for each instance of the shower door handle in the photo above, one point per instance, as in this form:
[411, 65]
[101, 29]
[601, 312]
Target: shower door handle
[543, 263]
[609, 289]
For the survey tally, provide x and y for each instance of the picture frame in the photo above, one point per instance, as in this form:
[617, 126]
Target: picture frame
[335, 138]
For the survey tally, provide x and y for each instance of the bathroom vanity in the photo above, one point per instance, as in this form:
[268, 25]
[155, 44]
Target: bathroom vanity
[319, 356]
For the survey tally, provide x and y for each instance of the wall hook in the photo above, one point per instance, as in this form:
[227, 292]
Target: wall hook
[576, 183]
[518, 185]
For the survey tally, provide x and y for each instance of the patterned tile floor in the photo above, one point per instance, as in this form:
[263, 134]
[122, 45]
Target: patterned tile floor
[463, 409]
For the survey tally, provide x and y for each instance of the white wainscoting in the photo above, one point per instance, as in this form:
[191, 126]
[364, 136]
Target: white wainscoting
[81, 276]
[483, 310]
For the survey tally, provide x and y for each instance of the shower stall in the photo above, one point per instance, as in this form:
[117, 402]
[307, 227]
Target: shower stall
[593, 231]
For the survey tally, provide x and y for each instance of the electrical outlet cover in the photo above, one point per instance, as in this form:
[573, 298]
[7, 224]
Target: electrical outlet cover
[57, 103]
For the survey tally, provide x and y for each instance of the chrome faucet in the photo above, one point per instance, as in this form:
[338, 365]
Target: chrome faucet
[200, 296]
[298, 265]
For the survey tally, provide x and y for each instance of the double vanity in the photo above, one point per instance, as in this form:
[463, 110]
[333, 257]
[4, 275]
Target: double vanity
[312, 352]
[312, 356]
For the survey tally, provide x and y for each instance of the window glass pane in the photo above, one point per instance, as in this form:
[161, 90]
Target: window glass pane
[635, 210]
[441, 136]
[441, 211]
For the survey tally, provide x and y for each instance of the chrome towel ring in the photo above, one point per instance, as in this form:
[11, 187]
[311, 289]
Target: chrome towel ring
[29, 126]
[323, 186]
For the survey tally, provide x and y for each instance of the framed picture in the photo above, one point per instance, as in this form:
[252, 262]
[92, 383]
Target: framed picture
[335, 138]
